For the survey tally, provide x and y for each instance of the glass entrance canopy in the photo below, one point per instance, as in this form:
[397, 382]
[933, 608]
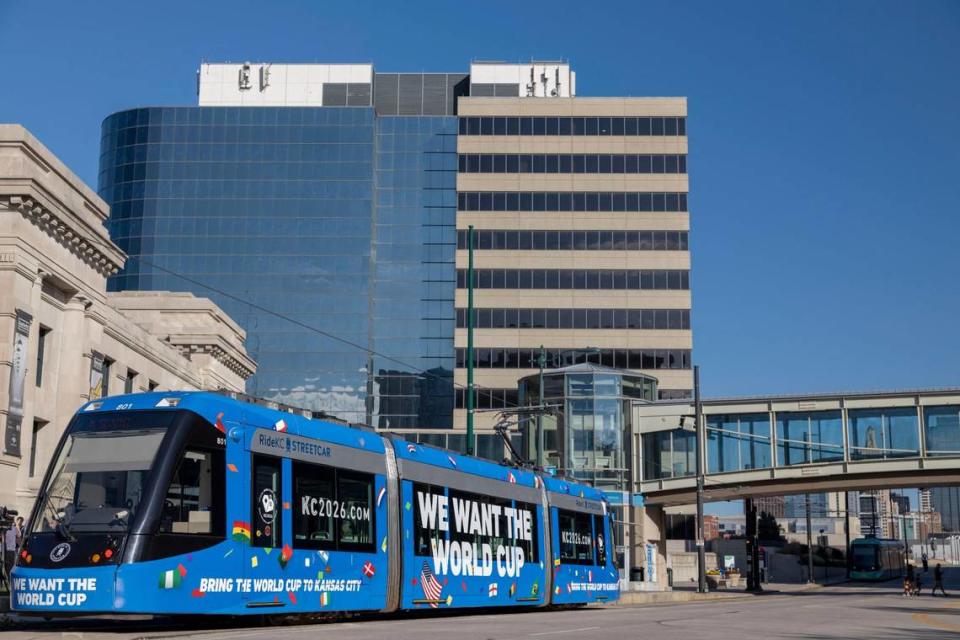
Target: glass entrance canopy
[587, 435]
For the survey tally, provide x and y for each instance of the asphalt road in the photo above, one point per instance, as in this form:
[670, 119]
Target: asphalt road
[853, 611]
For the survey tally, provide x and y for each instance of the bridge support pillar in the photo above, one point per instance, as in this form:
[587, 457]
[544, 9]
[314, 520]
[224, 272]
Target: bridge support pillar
[652, 530]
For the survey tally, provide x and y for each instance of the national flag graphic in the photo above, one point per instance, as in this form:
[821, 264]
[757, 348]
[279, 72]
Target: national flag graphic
[241, 531]
[512, 479]
[513, 588]
[280, 425]
[173, 578]
[556, 562]
[431, 588]
[219, 423]
[285, 554]
[411, 448]
[492, 590]
[383, 544]
[382, 492]
[452, 461]
[324, 599]
[196, 593]
[368, 569]
[589, 576]
[537, 482]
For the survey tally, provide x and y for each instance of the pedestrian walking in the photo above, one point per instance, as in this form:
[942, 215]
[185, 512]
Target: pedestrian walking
[938, 581]
[9, 552]
[925, 561]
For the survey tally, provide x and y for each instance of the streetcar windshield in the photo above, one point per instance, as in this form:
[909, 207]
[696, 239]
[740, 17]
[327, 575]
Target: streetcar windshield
[99, 475]
[865, 557]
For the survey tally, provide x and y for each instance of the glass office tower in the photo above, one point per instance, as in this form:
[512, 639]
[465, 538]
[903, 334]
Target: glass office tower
[320, 230]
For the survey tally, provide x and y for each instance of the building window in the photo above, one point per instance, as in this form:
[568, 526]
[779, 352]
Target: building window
[577, 126]
[589, 201]
[107, 367]
[514, 318]
[151, 385]
[513, 358]
[41, 351]
[566, 163]
[553, 240]
[128, 383]
[580, 279]
[34, 439]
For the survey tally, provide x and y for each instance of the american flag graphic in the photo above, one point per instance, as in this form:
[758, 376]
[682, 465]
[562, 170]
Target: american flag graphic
[431, 588]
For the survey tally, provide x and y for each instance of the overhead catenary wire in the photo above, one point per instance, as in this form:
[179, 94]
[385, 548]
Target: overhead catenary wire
[306, 326]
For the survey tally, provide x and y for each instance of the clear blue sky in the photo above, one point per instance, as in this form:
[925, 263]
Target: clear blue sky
[824, 142]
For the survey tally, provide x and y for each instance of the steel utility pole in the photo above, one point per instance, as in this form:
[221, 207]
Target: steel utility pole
[470, 389]
[698, 419]
[541, 457]
[810, 579]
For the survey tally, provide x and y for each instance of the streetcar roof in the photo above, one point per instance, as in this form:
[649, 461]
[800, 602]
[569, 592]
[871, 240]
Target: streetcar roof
[213, 406]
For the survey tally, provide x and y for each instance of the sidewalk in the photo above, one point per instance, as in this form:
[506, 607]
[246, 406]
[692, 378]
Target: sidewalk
[680, 595]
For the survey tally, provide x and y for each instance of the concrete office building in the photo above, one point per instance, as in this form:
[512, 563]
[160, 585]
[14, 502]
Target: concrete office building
[63, 338]
[325, 203]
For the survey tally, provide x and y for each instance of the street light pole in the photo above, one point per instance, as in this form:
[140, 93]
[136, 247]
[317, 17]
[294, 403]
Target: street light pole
[541, 458]
[810, 579]
[698, 419]
[470, 389]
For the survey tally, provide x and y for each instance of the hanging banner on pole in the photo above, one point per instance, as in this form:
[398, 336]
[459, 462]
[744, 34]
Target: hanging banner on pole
[96, 375]
[18, 376]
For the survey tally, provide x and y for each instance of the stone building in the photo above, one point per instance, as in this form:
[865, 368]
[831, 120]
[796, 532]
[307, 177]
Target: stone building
[63, 338]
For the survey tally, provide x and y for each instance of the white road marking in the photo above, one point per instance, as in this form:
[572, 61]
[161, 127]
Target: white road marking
[553, 633]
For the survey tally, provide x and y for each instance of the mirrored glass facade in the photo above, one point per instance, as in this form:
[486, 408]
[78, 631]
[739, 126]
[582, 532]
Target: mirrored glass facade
[308, 226]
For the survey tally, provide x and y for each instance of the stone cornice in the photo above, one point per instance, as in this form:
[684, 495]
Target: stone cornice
[106, 260]
[236, 362]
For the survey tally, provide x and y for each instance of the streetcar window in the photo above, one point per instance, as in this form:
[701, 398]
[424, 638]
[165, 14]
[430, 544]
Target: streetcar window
[487, 529]
[334, 508]
[576, 539]
[531, 547]
[266, 497]
[600, 540]
[425, 527]
[313, 498]
[355, 500]
[194, 502]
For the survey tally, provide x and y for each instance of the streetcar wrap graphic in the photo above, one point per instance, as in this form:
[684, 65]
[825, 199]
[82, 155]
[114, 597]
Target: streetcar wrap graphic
[208, 505]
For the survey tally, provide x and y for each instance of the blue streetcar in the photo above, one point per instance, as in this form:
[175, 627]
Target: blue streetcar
[197, 503]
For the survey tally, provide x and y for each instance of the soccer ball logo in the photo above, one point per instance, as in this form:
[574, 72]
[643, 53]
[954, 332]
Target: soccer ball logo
[59, 552]
[267, 506]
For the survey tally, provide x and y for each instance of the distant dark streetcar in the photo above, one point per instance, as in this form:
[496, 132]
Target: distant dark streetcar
[876, 559]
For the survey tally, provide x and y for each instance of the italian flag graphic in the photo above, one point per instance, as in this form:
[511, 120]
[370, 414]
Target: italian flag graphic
[324, 599]
[171, 579]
